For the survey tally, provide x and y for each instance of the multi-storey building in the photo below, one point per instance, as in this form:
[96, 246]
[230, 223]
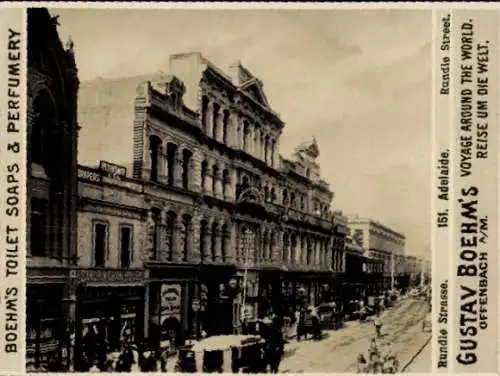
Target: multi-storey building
[51, 251]
[418, 270]
[382, 243]
[109, 277]
[363, 275]
[230, 221]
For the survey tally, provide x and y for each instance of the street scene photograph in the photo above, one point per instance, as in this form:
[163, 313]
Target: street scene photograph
[229, 190]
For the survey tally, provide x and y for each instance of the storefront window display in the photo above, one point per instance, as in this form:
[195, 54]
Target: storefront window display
[44, 324]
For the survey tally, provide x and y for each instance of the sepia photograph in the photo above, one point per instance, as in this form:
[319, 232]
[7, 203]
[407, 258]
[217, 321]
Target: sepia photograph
[216, 190]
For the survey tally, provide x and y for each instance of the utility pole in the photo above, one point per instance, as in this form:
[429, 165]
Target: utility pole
[246, 246]
[422, 274]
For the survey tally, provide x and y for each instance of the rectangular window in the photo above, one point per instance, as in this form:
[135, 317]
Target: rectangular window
[100, 235]
[125, 246]
[38, 227]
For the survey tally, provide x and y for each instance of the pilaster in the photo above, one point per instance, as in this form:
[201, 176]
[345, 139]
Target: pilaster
[218, 184]
[192, 239]
[209, 118]
[230, 243]
[220, 125]
[207, 244]
[178, 241]
[218, 243]
[194, 174]
[178, 168]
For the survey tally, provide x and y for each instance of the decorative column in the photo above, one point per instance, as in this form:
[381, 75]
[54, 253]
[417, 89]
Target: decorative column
[207, 243]
[262, 146]
[194, 237]
[242, 134]
[194, 176]
[219, 136]
[178, 168]
[161, 237]
[230, 243]
[146, 171]
[232, 185]
[318, 249]
[178, 241]
[278, 246]
[306, 250]
[207, 189]
[274, 153]
[219, 193]
[298, 256]
[209, 118]
[218, 243]
[250, 138]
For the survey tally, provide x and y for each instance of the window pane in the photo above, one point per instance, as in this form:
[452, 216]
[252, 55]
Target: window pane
[125, 256]
[38, 227]
[99, 244]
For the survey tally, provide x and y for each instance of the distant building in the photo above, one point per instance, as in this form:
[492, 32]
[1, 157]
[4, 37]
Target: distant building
[381, 243]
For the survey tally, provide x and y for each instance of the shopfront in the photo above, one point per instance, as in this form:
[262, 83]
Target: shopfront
[109, 313]
[188, 301]
[45, 326]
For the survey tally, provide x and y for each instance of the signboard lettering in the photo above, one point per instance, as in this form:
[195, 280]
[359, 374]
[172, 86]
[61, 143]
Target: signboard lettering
[112, 170]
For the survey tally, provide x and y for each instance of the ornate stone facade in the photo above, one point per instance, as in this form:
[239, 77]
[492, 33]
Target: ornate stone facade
[209, 147]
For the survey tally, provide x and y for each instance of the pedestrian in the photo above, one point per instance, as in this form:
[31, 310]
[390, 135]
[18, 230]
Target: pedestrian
[275, 346]
[378, 326]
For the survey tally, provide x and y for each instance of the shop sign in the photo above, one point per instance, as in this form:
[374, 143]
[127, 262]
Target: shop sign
[170, 301]
[118, 276]
[112, 170]
[89, 174]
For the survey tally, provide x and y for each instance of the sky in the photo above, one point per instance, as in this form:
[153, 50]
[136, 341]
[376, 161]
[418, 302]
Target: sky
[357, 80]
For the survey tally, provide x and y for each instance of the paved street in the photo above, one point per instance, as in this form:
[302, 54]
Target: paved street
[422, 363]
[402, 325]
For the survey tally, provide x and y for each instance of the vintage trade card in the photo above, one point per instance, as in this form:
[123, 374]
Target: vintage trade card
[249, 187]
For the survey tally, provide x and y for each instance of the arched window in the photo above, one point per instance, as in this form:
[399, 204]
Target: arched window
[186, 160]
[43, 118]
[169, 236]
[266, 149]
[285, 197]
[286, 247]
[246, 135]
[171, 162]
[154, 150]
[204, 171]
[155, 233]
[293, 200]
[273, 151]
[302, 202]
[226, 181]
[266, 193]
[273, 195]
[215, 173]
[263, 245]
[186, 224]
[224, 242]
[215, 120]
[204, 108]
[214, 237]
[225, 129]
[203, 244]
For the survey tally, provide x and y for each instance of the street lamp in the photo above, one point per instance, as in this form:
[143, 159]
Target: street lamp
[246, 248]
